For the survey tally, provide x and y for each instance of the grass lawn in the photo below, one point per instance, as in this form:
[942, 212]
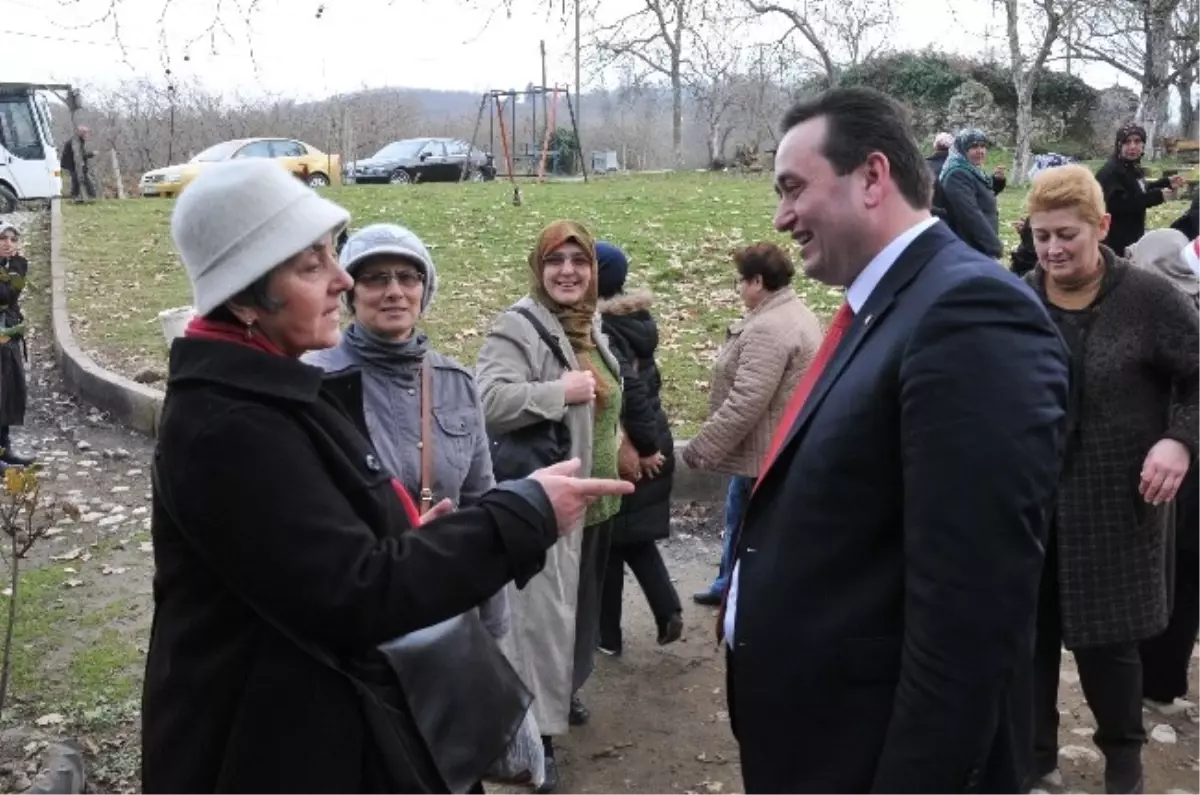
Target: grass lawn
[678, 229]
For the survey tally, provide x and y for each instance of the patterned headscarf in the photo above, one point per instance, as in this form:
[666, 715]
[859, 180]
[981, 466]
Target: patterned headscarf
[1127, 132]
[957, 160]
[579, 320]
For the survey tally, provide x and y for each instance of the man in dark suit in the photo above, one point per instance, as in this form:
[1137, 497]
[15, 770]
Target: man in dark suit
[880, 615]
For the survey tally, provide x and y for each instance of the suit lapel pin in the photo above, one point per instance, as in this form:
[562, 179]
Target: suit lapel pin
[867, 320]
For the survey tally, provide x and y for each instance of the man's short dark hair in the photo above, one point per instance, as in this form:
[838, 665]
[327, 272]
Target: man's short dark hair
[861, 121]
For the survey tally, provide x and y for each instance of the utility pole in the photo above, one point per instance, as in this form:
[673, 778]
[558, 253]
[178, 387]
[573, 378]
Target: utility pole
[578, 95]
[545, 103]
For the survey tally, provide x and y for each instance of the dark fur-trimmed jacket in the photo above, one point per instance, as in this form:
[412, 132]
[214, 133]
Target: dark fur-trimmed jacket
[1139, 385]
[633, 336]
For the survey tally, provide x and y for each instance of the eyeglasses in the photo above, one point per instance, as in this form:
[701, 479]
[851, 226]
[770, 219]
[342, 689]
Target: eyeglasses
[580, 261]
[379, 280]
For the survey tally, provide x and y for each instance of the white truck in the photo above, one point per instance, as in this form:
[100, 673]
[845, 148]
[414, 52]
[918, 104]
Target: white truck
[28, 160]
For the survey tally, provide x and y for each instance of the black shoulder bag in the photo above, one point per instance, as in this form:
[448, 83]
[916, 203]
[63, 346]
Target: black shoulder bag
[519, 453]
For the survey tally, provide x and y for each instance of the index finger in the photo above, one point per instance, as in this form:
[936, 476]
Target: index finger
[599, 487]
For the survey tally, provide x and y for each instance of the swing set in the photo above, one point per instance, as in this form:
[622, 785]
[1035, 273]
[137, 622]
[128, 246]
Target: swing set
[496, 103]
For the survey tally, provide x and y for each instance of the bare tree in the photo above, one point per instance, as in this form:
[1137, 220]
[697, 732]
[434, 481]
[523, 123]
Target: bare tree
[714, 80]
[1134, 37]
[838, 33]
[656, 37]
[1183, 53]
[1040, 23]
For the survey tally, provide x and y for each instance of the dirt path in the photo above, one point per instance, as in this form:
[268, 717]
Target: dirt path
[658, 714]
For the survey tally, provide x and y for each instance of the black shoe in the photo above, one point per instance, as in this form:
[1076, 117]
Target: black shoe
[707, 598]
[550, 784]
[670, 630]
[578, 715]
[611, 649]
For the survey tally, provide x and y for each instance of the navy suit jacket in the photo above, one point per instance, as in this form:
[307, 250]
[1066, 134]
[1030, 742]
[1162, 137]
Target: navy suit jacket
[891, 555]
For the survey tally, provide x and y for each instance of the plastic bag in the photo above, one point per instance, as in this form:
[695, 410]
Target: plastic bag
[524, 761]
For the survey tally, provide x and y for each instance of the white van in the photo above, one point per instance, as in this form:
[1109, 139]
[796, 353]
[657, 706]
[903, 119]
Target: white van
[28, 160]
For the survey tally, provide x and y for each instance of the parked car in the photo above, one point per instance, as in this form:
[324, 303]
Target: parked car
[424, 160]
[306, 162]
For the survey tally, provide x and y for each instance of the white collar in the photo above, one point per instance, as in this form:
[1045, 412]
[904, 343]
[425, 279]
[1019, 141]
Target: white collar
[865, 283]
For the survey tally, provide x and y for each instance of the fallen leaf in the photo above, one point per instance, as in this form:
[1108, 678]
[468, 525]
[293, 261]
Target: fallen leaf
[73, 583]
[112, 569]
[52, 719]
[72, 555]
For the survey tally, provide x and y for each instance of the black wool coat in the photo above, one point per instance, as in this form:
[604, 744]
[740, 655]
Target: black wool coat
[269, 501]
[1127, 196]
[1137, 384]
[633, 335]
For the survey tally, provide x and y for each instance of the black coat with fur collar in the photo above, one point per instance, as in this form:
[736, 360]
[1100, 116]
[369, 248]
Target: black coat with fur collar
[633, 335]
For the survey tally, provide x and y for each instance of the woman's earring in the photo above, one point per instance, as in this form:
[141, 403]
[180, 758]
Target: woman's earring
[249, 330]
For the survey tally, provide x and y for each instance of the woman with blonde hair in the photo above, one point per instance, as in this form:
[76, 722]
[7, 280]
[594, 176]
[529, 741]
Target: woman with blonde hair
[1131, 435]
[546, 363]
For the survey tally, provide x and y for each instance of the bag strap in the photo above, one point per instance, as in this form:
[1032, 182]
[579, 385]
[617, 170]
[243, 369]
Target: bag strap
[426, 435]
[546, 336]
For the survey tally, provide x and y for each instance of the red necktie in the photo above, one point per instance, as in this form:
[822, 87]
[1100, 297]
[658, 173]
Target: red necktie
[841, 322]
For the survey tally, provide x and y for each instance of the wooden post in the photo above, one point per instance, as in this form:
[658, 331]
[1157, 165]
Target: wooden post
[116, 167]
[577, 114]
[545, 107]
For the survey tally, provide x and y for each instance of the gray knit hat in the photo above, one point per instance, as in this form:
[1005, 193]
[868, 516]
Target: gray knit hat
[399, 241]
[239, 219]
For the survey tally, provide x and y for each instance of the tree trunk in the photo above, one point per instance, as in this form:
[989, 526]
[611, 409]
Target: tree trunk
[1154, 85]
[1148, 116]
[676, 113]
[1187, 109]
[1023, 146]
[714, 144]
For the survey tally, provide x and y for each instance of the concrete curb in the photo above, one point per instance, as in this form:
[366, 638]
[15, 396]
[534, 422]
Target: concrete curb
[140, 407]
[132, 404]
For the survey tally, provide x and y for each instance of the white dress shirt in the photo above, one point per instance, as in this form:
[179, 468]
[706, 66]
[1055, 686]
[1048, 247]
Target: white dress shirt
[856, 295]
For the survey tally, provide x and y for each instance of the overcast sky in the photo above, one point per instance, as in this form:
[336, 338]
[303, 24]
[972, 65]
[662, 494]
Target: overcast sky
[371, 43]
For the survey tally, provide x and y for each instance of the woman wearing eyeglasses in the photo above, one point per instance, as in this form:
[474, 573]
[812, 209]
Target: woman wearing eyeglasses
[394, 283]
[556, 616]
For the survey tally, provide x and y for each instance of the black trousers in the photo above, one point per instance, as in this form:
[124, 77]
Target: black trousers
[1165, 657]
[82, 185]
[646, 563]
[1111, 677]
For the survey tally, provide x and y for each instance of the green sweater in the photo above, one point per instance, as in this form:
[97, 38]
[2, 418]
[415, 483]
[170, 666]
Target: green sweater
[605, 442]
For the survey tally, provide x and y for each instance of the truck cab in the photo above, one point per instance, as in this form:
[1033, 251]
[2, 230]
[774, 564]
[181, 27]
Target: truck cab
[28, 159]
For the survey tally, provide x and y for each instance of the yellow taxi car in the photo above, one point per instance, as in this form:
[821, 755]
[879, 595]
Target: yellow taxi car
[306, 162]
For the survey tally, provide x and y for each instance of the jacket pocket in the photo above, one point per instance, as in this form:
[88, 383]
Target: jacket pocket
[454, 432]
[870, 659]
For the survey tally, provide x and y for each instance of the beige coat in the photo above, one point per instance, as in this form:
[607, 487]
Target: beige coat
[519, 384]
[754, 376]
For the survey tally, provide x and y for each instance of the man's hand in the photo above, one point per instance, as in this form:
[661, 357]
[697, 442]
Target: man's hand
[1177, 181]
[571, 496]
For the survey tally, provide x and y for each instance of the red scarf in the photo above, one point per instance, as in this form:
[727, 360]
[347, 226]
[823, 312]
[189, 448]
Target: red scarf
[204, 329]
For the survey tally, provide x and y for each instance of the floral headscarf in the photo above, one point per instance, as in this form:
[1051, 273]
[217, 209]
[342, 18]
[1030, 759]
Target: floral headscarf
[1124, 134]
[958, 161]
